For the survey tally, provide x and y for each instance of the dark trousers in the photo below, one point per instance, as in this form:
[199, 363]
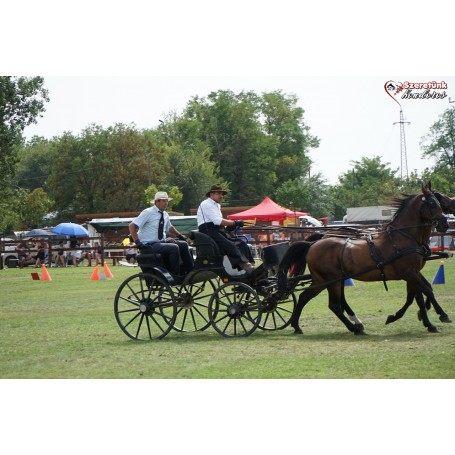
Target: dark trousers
[173, 250]
[235, 248]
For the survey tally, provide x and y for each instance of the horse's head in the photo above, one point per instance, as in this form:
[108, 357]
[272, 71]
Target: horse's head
[447, 203]
[432, 211]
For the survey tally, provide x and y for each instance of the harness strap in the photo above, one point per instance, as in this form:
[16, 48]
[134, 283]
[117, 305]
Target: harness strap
[376, 256]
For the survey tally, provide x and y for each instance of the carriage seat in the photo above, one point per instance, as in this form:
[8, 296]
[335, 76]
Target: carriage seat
[148, 260]
[209, 255]
[207, 251]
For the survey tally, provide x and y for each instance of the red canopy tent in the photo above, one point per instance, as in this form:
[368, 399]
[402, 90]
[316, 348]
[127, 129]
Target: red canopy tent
[267, 210]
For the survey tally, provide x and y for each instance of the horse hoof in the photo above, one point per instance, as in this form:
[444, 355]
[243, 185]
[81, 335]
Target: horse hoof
[359, 327]
[432, 329]
[419, 315]
[445, 319]
[390, 319]
[298, 330]
[360, 333]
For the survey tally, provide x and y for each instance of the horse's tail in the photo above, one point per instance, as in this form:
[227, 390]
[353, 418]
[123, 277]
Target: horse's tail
[294, 260]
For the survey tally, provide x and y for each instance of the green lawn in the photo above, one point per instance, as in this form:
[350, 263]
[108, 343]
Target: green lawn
[65, 328]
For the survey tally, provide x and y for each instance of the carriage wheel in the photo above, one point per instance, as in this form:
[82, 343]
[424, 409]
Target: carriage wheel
[192, 306]
[144, 307]
[235, 310]
[276, 314]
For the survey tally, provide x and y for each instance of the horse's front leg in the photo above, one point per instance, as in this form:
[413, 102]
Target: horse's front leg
[431, 300]
[423, 313]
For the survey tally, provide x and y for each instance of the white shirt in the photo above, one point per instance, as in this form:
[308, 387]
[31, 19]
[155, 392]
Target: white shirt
[209, 211]
[148, 221]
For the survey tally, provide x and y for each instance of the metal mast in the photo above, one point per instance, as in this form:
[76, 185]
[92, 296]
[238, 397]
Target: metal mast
[404, 158]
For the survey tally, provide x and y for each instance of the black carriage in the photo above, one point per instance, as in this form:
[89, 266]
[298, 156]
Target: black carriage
[150, 304]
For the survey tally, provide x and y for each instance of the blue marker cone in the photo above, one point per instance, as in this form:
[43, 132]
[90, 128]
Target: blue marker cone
[439, 278]
[349, 282]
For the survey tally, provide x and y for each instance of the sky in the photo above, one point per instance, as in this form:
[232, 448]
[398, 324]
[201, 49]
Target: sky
[112, 61]
[354, 117]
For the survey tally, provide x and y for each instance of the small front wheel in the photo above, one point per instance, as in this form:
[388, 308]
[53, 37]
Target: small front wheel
[144, 307]
[276, 314]
[235, 310]
[192, 306]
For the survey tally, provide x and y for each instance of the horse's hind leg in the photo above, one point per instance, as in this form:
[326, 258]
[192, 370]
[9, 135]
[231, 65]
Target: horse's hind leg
[400, 313]
[352, 316]
[304, 298]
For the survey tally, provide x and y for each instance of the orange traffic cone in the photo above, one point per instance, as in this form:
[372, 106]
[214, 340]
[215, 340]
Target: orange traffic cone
[45, 274]
[96, 274]
[107, 271]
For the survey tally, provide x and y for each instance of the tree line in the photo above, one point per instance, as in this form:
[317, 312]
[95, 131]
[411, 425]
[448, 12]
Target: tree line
[255, 145]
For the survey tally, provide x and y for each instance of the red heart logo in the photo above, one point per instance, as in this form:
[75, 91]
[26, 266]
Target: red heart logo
[392, 89]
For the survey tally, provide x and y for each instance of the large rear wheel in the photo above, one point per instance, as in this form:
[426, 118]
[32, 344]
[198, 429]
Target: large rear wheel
[235, 310]
[144, 307]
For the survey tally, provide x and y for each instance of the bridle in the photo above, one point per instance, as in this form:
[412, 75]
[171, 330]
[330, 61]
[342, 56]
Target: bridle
[436, 221]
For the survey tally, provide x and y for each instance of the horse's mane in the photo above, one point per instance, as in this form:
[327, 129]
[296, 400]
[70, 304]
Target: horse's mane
[399, 204]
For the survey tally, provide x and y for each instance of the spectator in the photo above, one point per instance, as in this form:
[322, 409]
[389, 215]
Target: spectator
[42, 248]
[60, 257]
[131, 251]
[98, 252]
[24, 254]
[86, 248]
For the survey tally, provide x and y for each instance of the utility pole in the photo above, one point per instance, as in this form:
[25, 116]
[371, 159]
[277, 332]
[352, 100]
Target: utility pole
[404, 158]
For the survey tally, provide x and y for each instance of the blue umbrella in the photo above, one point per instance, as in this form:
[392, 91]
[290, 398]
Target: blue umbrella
[38, 233]
[72, 229]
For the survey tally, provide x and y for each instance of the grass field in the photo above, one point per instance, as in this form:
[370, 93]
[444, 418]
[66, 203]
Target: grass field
[65, 328]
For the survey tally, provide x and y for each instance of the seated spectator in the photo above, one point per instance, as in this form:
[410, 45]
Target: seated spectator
[74, 257]
[131, 251]
[98, 253]
[24, 254]
[60, 257]
[86, 247]
[42, 251]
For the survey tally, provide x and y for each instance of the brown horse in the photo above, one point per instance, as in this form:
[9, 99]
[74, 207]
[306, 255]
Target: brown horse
[396, 253]
[448, 206]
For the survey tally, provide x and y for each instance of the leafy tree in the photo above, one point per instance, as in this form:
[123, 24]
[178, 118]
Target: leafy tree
[439, 144]
[172, 191]
[256, 142]
[293, 194]
[34, 208]
[283, 120]
[21, 102]
[35, 163]
[370, 182]
[105, 170]
[190, 159]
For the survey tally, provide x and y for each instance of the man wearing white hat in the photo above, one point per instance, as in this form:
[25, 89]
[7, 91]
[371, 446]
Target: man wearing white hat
[149, 231]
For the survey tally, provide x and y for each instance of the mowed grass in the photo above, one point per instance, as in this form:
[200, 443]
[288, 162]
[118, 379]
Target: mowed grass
[65, 328]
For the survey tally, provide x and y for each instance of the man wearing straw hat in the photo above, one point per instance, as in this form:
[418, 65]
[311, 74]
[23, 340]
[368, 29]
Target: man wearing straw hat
[149, 231]
[211, 222]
